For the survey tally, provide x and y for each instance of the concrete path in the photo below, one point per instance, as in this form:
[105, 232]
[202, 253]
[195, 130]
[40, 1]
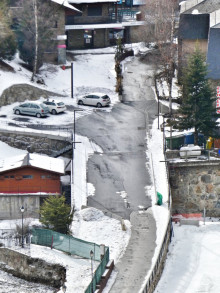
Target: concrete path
[135, 263]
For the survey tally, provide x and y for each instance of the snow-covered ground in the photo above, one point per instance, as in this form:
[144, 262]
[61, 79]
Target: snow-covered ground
[193, 262]
[96, 73]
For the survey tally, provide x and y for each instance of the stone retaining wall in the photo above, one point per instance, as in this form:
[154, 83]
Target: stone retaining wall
[22, 92]
[195, 185]
[32, 269]
[34, 142]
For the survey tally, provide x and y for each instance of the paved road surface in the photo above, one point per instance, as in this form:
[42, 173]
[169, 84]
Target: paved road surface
[120, 174]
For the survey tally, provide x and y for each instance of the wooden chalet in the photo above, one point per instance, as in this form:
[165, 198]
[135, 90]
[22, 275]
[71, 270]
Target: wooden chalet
[26, 180]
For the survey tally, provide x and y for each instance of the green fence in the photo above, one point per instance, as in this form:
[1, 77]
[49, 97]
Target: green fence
[98, 273]
[75, 246]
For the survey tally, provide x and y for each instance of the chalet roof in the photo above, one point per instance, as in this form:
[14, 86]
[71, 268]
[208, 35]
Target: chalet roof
[66, 4]
[204, 7]
[33, 160]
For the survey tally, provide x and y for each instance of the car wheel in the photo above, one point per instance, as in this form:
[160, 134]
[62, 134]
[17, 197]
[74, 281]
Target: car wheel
[38, 115]
[80, 102]
[99, 105]
[54, 112]
[17, 112]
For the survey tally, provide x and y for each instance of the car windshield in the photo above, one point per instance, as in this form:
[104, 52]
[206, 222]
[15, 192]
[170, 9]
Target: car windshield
[60, 104]
[105, 97]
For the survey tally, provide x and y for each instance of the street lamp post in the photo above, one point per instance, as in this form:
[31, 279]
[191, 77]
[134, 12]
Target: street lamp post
[22, 227]
[91, 256]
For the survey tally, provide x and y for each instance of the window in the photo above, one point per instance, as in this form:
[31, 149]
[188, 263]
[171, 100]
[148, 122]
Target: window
[9, 176]
[34, 106]
[45, 176]
[95, 10]
[25, 105]
[27, 176]
[69, 19]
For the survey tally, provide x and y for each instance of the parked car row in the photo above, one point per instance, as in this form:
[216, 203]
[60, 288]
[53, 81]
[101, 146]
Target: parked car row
[42, 109]
[39, 109]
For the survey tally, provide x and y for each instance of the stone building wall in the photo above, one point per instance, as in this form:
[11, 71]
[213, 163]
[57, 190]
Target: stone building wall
[32, 269]
[195, 185]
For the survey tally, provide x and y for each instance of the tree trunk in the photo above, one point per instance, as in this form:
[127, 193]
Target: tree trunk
[36, 40]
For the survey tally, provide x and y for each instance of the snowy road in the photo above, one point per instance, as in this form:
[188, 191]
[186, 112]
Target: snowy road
[193, 262]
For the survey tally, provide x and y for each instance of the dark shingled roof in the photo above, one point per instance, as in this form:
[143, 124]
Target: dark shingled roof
[206, 6]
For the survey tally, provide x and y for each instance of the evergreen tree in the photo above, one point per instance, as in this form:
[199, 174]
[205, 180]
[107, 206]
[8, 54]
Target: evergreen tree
[7, 38]
[55, 214]
[198, 101]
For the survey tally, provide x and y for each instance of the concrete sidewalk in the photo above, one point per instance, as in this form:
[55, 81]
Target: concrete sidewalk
[133, 267]
[136, 262]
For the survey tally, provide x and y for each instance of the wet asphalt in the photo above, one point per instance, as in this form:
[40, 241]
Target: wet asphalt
[121, 174]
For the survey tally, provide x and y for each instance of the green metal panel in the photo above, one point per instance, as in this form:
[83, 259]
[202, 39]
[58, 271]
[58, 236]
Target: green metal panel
[74, 246]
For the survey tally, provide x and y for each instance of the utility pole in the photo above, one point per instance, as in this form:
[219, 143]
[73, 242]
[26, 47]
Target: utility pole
[73, 149]
[72, 81]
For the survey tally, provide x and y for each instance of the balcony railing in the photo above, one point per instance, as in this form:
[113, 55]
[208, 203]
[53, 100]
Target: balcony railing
[119, 15]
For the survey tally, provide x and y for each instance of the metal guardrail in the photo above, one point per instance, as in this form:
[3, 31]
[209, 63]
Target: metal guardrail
[157, 269]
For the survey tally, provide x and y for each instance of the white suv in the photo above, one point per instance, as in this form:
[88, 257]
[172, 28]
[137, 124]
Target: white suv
[55, 107]
[94, 99]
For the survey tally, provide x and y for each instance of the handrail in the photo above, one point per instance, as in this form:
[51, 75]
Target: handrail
[153, 278]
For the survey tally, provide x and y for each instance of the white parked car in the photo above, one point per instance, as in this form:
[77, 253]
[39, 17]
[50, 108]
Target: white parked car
[94, 99]
[190, 150]
[55, 107]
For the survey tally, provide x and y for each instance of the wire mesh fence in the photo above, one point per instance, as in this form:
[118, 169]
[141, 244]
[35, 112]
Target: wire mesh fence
[74, 246]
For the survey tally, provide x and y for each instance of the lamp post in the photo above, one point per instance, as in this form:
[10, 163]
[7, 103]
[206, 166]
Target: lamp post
[91, 256]
[22, 227]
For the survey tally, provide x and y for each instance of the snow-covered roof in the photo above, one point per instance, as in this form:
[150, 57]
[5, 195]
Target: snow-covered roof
[89, 1]
[33, 160]
[66, 4]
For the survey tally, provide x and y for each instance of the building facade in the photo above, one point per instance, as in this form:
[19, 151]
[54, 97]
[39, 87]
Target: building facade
[199, 25]
[26, 180]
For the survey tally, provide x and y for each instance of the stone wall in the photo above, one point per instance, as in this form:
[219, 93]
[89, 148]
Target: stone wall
[22, 92]
[195, 185]
[35, 142]
[32, 269]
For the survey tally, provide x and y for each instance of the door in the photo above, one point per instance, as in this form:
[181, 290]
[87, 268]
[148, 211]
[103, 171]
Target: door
[25, 108]
[88, 38]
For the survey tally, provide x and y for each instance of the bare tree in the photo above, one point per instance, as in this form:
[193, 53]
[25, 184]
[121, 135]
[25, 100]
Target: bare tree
[37, 31]
[160, 18]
